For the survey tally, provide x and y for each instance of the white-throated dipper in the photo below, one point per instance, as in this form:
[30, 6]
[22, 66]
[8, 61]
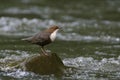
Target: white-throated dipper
[43, 38]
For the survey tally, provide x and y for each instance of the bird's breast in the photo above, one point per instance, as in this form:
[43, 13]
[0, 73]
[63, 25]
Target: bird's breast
[53, 35]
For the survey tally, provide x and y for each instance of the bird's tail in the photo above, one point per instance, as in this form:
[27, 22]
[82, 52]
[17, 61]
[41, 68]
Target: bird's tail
[27, 39]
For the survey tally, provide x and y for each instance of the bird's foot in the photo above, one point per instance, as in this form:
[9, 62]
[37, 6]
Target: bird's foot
[44, 53]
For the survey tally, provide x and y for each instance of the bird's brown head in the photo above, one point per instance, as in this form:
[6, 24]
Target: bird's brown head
[52, 29]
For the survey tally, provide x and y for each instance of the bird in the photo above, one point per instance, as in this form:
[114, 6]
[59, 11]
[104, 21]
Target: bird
[44, 38]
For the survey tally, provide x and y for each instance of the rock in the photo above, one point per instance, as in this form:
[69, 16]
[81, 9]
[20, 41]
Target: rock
[44, 64]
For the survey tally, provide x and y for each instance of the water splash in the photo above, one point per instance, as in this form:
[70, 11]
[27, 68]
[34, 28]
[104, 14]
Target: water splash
[81, 67]
[89, 68]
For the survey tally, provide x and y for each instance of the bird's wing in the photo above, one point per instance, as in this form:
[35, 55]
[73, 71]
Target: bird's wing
[41, 37]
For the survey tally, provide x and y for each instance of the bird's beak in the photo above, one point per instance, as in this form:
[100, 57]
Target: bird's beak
[61, 29]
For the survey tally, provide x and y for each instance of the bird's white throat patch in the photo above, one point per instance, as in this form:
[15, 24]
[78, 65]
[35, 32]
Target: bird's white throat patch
[53, 35]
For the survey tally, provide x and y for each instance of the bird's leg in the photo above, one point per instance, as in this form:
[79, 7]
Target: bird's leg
[43, 50]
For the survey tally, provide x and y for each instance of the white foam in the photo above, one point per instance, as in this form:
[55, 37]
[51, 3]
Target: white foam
[22, 27]
[110, 64]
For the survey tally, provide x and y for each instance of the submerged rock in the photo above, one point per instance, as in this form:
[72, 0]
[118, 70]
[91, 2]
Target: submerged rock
[44, 64]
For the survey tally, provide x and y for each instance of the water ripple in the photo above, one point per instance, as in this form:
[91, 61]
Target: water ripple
[27, 27]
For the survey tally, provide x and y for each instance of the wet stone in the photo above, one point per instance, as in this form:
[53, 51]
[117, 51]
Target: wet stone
[44, 64]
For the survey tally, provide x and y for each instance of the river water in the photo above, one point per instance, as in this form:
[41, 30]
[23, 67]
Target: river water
[90, 40]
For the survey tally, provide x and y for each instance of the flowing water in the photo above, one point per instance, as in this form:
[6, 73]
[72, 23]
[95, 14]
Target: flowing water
[90, 40]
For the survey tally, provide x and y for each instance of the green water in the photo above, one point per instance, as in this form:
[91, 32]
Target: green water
[90, 40]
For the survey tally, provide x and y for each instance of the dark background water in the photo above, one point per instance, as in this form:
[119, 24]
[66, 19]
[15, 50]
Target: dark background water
[90, 39]
[58, 10]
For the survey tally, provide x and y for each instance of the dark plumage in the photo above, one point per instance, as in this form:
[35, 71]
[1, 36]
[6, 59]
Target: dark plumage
[43, 38]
